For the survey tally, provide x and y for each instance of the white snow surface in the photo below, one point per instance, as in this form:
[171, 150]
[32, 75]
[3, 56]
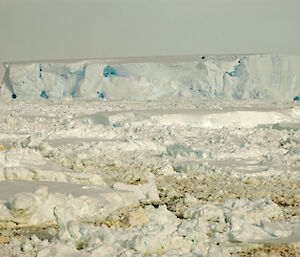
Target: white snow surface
[85, 159]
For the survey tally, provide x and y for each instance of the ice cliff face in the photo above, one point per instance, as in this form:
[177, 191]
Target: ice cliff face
[231, 76]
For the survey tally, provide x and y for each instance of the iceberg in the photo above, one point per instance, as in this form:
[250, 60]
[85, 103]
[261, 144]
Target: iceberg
[262, 76]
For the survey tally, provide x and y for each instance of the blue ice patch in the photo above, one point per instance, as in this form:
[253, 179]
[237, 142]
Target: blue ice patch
[44, 95]
[78, 75]
[235, 72]
[109, 71]
[100, 95]
[40, 76]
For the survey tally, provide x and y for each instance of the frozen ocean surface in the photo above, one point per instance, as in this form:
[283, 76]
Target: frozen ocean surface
[177, 156]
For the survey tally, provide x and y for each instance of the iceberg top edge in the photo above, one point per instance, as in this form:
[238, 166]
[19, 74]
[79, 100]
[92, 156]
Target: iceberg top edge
[140, 59]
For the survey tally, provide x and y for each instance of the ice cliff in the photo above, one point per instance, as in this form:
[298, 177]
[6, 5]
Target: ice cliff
[231, 76]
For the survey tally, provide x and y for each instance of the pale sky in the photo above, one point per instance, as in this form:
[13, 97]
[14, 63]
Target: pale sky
[64, 29]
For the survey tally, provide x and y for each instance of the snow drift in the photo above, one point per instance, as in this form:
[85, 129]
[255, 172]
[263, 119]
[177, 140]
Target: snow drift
[231, 76]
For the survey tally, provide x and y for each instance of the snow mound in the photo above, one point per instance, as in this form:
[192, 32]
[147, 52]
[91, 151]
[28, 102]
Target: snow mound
[246, 117]
[249, 221]
[227, 76]
[33, 203]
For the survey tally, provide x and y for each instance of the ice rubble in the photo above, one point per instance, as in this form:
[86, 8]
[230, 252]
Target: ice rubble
[55, 157]
[233, 76]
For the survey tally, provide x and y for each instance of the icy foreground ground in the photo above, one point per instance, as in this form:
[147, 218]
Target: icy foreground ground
[108, 178]
[180, 175]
